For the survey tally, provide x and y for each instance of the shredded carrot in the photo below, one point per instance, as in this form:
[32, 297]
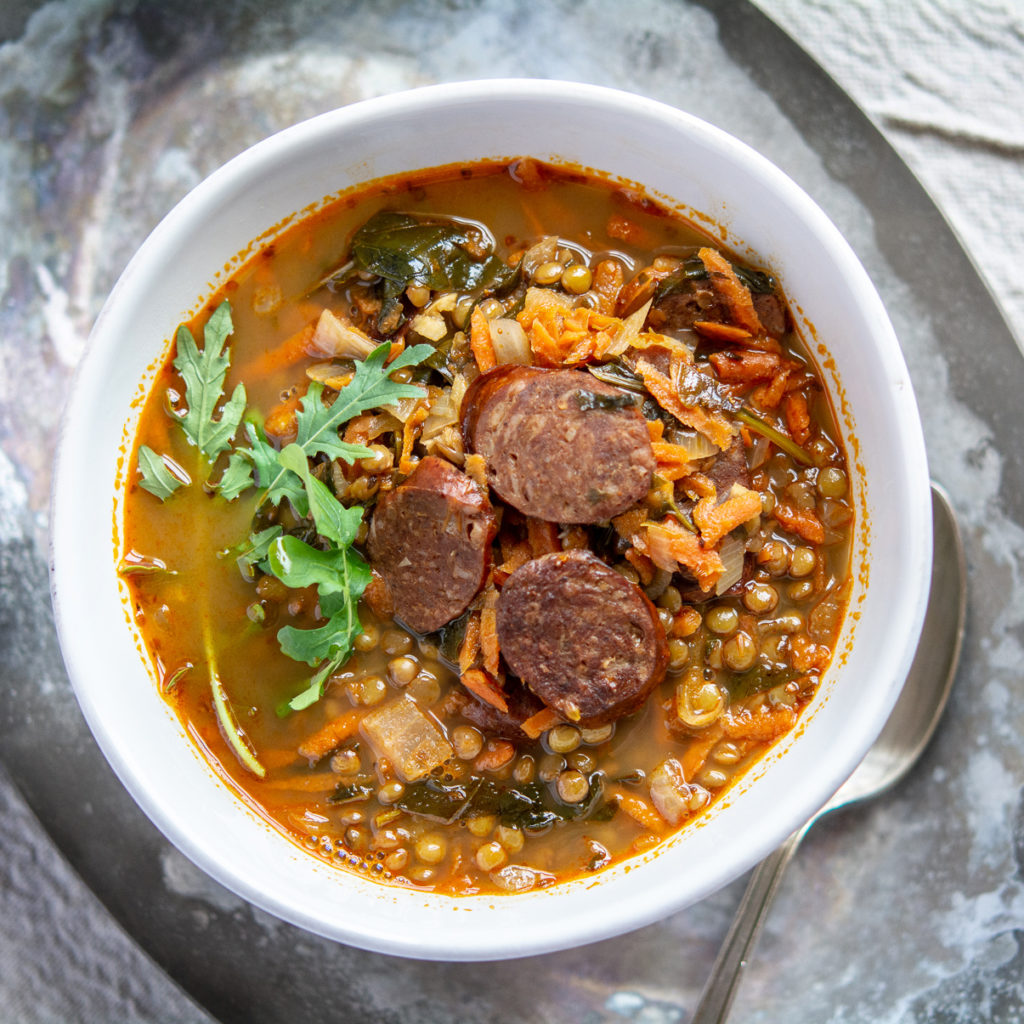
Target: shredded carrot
[518, 555]
[326, 739]
[656, 428]
[397, 348]
[697, 752]
[281, 424]
[672, 461]
[700, 485]
[637, 808]
[540, 722]
[720, 332]
[479, 682]
[642, 563]
[798, 419]
[736, 296]
[671, 546]
[768, 396]
[801, 521]
[409, 434]
[716, 520]
[713, 425]
[745, 367]
[292, 350]
[496, 754]
[607, 284]
[542, 537]
[489, 632]
[470, 646]
[568, 337]
[766, 722]
[480, 341]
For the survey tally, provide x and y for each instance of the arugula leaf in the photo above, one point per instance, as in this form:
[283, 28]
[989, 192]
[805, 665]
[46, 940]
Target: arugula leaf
[296, 564]
[278, 482]
[237, 477]
[253, 552]
[204, 373]
[340, 575]
[156, 474]
[370, 388]
[332, 519]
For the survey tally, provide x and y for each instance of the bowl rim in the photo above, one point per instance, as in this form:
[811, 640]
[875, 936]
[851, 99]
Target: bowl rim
[560, 930]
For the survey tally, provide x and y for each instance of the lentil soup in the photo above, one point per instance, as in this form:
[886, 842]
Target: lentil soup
[496, 525]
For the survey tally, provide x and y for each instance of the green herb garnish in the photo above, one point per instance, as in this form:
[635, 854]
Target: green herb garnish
[204, 373]
[156, 475]
[340, 575]
[370, 388]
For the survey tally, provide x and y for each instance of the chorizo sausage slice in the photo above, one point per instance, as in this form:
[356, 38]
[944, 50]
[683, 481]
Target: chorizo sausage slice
[430, 540]
[559, 445]
[581, 636]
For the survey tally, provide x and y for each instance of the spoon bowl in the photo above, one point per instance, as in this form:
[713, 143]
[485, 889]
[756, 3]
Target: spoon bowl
[899, 745]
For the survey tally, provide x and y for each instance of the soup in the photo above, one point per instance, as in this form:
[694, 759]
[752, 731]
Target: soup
[496, 525]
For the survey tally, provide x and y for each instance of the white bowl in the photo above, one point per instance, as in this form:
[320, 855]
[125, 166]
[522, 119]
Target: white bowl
[682, 161]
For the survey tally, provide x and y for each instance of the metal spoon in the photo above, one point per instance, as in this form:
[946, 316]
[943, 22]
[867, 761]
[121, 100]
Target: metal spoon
[903, 738]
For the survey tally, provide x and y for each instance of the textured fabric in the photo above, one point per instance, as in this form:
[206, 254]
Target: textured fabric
[944, 80]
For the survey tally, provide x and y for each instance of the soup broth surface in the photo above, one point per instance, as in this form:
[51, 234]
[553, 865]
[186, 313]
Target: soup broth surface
[389, 752]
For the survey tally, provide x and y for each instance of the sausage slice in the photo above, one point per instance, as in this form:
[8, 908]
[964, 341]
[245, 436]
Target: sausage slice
[581, 636]
[559, 445]
[430, 540]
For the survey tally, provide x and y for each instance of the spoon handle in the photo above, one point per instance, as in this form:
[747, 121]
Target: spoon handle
[716, 999]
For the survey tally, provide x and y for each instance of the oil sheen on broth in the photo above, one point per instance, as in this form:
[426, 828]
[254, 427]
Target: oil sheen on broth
[525, 599]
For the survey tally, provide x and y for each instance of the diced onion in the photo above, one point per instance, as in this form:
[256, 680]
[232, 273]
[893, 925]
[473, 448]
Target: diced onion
[334, 338]
[659, 547]
[732, 552]
[545, 298]
[696, 445]
[629, 331]
[759, 451]
[510, 342]
[443, 413]
[669, 792]
[429, 326]
[541, 252]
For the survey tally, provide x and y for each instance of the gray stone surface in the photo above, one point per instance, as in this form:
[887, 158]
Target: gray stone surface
[110, 110]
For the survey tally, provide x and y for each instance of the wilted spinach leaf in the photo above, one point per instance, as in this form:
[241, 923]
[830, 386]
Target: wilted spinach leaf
[588, 401]
[402, 249]
[348, 792]
[757, 680]
[693, 269]
[756, 280]
[442, 801]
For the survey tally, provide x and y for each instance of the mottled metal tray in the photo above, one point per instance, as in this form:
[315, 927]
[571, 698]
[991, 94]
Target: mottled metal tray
[130, 104]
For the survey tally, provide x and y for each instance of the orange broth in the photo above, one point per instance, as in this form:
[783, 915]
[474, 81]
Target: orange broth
[743, 664]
